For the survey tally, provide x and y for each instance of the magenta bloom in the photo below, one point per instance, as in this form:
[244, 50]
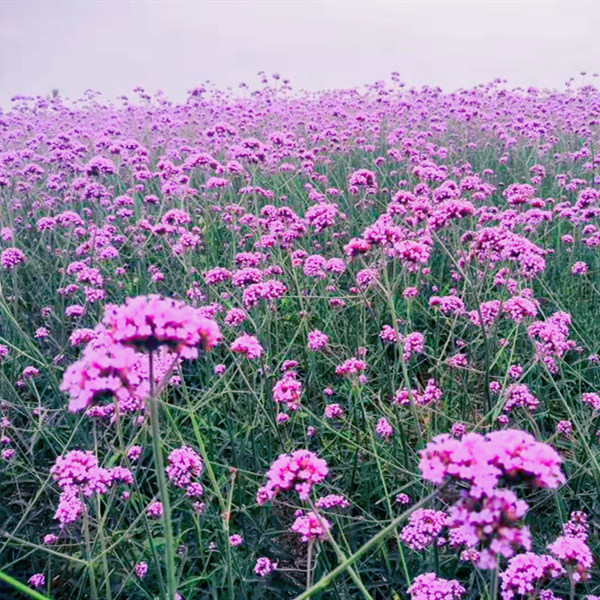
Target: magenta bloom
[332, 501]
[11, 258]
[423, 528]
[299, 470]
[147, 322]
[491, 524]
[288, 391]
[264, 566]
[77, 474]
[141, 570]
[525, 572]
[575, 552]
[482, 460]
[431, 587]
[106, 369]
[155, 509]
[384, 428]
[311, 527]
[248, 345]
[37, 581]
[317, 340]
[185, 464]
[518, 395]
[333, 411]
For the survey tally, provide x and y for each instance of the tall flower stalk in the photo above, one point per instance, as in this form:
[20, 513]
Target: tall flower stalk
[162, 482]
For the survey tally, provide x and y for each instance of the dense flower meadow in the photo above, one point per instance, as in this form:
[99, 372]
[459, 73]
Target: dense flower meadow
[275, 345]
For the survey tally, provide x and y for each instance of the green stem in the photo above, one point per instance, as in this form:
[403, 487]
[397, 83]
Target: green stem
[162, 485]
[348, 562]
[88, 550]
[309, 564]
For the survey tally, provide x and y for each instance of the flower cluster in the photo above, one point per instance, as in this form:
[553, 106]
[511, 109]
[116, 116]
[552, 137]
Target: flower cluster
[431, 587]
[79, 475]
[185, 464]
[148, 322]
[299, 470]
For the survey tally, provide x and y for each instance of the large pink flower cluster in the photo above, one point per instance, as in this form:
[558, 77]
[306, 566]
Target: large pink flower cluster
[148, 322]
[482, 460]
[288, 391]
[105, 369]
[78, 475]
[526, 572]
[491, 525]
[113, 364]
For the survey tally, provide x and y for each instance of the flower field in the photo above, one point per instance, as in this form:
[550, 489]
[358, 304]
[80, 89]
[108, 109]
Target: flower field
[279, 344]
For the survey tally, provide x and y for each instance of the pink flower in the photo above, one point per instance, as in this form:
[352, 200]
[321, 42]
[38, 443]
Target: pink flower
[403, 499]
[575, 552]
[384, 429]
[288, 391]
[490, 524]
[482, 460]
[147, 322]
[331, 501]
[424, 526]
[155, 509]
[518, 395]
[299, 470]
[264, 566]
[351, 366]
[317, 340]
[592, 399]
[185, 464]
[448, 305]
[248, 345]
[311, 527]
[11, 258]
[525, 572]
[580, 268]
[334, 411]
[37, 581]
[431, 587]
[141, 570]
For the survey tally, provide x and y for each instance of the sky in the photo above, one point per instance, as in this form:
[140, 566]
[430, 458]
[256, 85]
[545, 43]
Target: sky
[112, 46]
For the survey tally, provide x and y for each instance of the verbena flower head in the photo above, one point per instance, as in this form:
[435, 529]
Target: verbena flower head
[482, 460]
[185, 464]
[12, 258]
[424, 527]
[141, 570]
[575, 553]
[105, 370]
[431, 587]
[288, 391]
[155, 509]
[491, 524]
[247, 345]
[264, 566]
[311, 527]
[37, 581]
[148, 322]
[78, 474]
[526, 572]
[299, 470]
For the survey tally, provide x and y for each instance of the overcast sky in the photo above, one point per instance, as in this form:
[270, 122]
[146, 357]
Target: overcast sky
[112, 46]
